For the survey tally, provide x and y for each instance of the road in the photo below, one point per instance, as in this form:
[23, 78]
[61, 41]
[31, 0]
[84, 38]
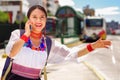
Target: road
[101, 64]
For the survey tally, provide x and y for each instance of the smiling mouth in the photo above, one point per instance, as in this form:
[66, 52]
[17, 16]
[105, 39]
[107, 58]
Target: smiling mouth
[39, 25]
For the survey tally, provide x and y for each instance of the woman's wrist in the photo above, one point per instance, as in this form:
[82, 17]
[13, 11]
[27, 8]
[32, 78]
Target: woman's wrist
[90, 47]
[94, 45]
[24, 37]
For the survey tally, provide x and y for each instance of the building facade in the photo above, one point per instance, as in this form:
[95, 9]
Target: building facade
[51, 6]
[16, 8]
[13, 7]
[88, 11]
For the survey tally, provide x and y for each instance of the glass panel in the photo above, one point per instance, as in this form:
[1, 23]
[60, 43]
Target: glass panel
[94, 22]
[70, 23]
[69, 11]
[62, 11]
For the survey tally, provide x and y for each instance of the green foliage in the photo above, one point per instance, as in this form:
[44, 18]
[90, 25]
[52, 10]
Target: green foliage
[4, 17]
[25, 19]
[50, 14]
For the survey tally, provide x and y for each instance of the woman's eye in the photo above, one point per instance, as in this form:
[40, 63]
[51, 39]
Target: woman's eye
[34, 17]
[42, 18]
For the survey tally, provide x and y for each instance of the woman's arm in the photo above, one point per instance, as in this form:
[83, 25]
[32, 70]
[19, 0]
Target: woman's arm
[22, 39]
[90, 47]
[16, 47]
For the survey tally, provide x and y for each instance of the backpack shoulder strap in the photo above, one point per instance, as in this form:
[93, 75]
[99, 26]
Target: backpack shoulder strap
[48, 43]
[21, 32]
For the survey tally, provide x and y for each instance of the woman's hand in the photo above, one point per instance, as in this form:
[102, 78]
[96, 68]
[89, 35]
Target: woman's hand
[28, 28]
[101, 44]
[98, 44]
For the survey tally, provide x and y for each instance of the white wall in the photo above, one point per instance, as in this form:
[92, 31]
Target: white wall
[16, 8]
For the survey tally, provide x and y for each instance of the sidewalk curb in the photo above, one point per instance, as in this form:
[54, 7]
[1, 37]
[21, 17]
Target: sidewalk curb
[94, 70]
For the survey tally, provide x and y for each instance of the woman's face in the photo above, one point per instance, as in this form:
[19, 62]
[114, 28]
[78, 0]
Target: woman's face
[38, 20]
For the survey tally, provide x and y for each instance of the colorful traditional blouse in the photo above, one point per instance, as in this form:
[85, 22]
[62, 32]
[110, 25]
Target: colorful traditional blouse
[36, 59]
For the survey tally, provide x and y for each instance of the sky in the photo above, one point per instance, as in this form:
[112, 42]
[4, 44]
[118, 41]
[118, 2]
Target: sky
[110, 9]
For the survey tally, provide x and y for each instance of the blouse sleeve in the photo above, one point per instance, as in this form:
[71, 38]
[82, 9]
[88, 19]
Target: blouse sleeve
[15, 35]
[60, 52]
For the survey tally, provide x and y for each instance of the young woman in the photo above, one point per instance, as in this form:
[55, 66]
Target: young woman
[29, 50]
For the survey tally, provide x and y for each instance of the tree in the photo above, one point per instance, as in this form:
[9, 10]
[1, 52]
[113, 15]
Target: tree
[4, 17]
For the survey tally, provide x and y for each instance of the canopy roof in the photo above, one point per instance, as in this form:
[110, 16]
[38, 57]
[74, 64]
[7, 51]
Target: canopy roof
[67, 11]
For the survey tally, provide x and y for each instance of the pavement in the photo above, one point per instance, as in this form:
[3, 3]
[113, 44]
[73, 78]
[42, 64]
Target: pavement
[73, 70]
[101, 64]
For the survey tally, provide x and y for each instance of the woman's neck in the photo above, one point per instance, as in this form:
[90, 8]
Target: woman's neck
[36, 35]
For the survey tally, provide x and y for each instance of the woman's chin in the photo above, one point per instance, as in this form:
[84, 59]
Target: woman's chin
[37, 30]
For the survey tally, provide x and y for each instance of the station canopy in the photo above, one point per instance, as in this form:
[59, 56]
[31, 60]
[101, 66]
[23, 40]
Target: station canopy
[67, 11]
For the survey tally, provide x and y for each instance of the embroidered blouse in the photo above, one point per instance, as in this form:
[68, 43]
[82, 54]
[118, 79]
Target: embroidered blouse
[37, 58]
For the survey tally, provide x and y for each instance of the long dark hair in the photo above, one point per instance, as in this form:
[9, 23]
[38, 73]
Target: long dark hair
[34, 7]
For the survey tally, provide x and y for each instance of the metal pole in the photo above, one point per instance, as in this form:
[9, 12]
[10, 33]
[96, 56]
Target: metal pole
[20, 13]
[62, 38]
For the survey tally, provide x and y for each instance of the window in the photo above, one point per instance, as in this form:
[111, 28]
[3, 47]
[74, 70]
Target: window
[94, 22]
